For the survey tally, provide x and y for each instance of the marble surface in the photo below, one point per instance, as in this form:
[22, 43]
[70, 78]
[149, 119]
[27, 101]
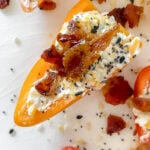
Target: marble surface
[23, 37]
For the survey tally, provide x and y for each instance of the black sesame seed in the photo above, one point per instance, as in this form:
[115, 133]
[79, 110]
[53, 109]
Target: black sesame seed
[131, 70]
[4, 112]
[99, 59]
[12, 132]
[11, 99]
[14, 95]
[94, 29]
[75, 84]
[78, 93]
[121, 59]
[147, 40]
[70, 140]
[79, 116]
[55, 94]
[75, 130]
[122, 139]
[133, 56]
[134, 140]
[118, 40]
[92, 67]
[141, 34]
[131, 128]
[12, 69]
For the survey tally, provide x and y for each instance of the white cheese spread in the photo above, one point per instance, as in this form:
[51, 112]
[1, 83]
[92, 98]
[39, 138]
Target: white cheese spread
[114, 57]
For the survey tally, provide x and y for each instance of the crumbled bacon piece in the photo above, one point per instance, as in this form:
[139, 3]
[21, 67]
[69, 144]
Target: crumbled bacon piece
[101, 43]
[73, 26]
[4, 3]
[117, 90]
[101, 1]
[52, 56]
[46, 4]
[67, 40]
[115, 124]
[44, 87]
[132, 14]
[77, 59]
[118, 14]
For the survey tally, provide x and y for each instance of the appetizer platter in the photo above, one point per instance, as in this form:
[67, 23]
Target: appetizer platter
[75, 76]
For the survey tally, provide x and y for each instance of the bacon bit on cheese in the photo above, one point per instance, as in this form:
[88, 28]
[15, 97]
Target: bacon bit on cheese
[101, 1]
[76, 56]
[117, 90]
[46, 4]
[115, 124]
[132, 13]
[51, 55]
[45, 86]
[101, 43]
[77, 60]
[4, 3]
[118, 13]
[67, 40]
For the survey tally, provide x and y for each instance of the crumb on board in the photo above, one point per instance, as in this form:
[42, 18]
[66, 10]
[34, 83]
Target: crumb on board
[88, 125]
[16, 40]
[101, 105]
[80, 141]
[40, 127]
[62, 127]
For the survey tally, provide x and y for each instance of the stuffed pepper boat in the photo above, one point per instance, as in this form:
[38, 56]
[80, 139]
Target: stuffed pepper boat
[90, 48]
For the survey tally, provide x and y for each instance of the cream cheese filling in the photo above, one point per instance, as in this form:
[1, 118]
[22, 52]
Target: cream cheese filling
[116, 56]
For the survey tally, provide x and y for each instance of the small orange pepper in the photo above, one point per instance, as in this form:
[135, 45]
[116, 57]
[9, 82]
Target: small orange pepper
[21, 116]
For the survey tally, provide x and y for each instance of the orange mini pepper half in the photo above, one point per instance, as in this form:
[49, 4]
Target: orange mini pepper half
[21, 116]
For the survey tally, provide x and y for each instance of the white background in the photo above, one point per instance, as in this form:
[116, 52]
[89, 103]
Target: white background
[35, 32]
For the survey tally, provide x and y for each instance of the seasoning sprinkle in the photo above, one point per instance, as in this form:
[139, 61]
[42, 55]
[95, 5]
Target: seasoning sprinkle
[79, 116]
[4, 112]
[122, 139]
[118, 40]
[12, 69]
[94, 30]
[78, 93]
[12, 132]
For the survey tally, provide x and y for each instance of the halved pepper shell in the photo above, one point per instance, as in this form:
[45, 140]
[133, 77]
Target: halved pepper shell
[21, 116]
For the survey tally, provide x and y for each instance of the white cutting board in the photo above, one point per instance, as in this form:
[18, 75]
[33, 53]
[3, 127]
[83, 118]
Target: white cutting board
[23, 37]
